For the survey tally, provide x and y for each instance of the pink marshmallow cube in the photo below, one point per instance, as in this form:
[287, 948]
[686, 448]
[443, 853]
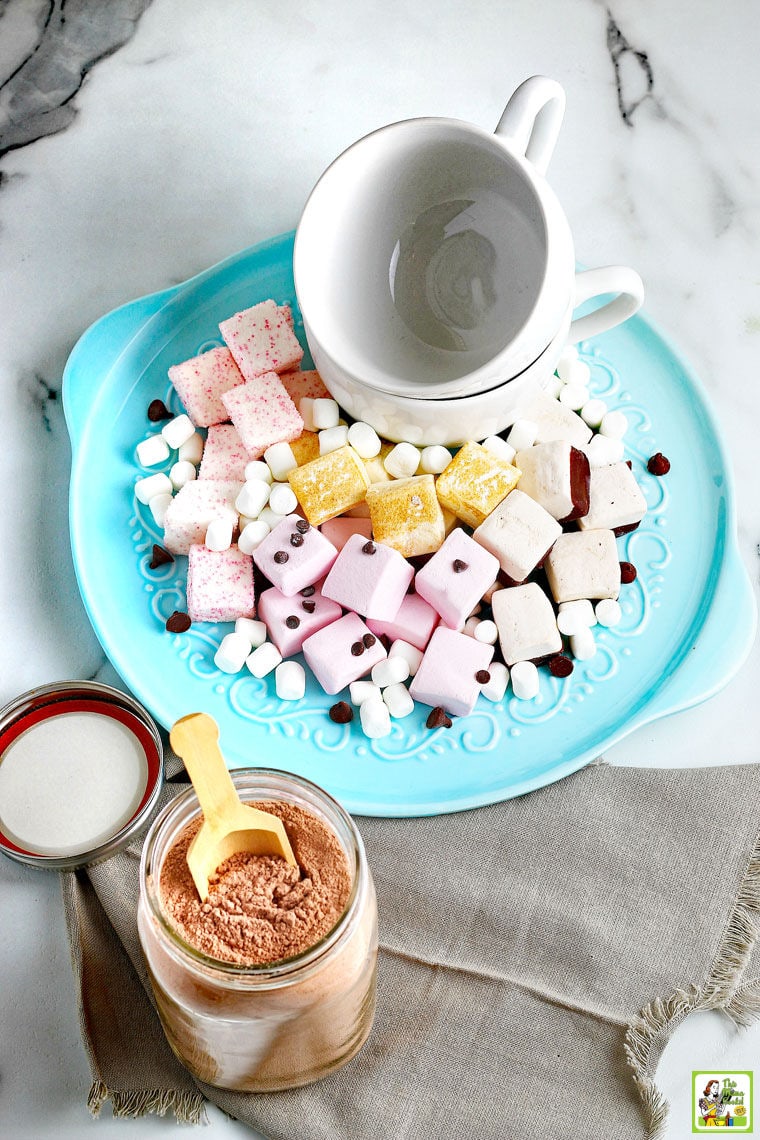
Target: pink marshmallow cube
[294, 555]
[343, 652]
[304, 384]
[307, 607]
[457, 577]
[196, 505]
[263, 413]
[224, 456]
[340, 529]
[446, 675]
[201, 382]
[414, 622]
[369, 577]
[219, 584]
[262, 339]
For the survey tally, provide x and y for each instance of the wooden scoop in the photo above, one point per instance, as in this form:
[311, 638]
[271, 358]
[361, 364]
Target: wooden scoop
[228, 825]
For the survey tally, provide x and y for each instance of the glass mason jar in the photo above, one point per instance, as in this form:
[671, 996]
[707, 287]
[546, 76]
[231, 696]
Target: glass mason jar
[276, 1026]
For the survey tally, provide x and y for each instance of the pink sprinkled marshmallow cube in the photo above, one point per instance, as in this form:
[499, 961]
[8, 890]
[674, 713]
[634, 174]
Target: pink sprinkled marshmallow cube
[447, 672]
[369, 577]
[414, 622]
[343, 652]
[291, 620]
[219, 584]
[457, 577]
[263, 413]
[293, 555]
[307, 384]
[262, 339]
[224, 456]
[201, 381]
[196, 505]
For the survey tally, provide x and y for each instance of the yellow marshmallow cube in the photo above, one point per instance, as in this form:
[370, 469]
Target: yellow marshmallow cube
[305, 448]
[406, 515]
[330, 484]
[475, 482]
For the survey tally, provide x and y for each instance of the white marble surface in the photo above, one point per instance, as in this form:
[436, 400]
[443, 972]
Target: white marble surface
[201, 134]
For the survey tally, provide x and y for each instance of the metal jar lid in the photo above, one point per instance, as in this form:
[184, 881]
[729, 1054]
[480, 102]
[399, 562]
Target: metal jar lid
[32, 719]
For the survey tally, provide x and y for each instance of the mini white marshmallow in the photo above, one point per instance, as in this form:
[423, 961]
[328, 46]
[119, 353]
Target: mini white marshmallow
[574, 371]
[306, 412]
[434, 459]
[330, 439]
[375, 718]
[583, 645]
[152, 485]
[258, 469]
[325, 414]
[390, 671]
[593, 412]
[264, 659]
[398, 700]
[290, 681]
[500, 448]
[574, 396]
[231, 654]
[525, 682]
[254, 631]
[282, 499]
[522, 434]
[402, 461]
[152, 451]
[178, 431]
[219, 535]
[270, 517]
[495, 689]
[574, 617]
[252, 497]
[487, 632]
[252, 535]
[280, 460]
[182, 472]
[191, 449]
[603, 450]
[411, 654]
[362, 691]
[608, 612]
[614, 425]
[470, 626]
[158, 506]
[364, 440]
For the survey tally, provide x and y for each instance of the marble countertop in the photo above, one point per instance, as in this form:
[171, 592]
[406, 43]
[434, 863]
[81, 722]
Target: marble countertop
[142, 142]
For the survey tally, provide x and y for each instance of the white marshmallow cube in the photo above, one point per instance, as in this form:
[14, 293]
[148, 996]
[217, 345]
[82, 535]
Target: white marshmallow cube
[178, 431]
[264, 659]
[614, 425]
[364, 440]
[500, 448]
[375, 718]
[152, 485]
[487, 632]
[583, 645]
[191, 449]
[615, 498]
[495, 689]
[252, 498]
[158, 506]
[254, 631]
[525, 682]
[280, 460]
[603, 450]
[330, 439]
[594, 412]
[574, 617]
[282, 499]
[152, 451]
[574, 396]
[325, 414]
[252, 535]
[608, 612]
[572, 370]
[390, 671]
[258, 469]
[434, 459]
[402, 461]
[231, 654]
[398, 700]
[411, 654]
[290, 681]
[306, 412]
[522, 434]
[219, 535]
[362, 691]
[182, 472]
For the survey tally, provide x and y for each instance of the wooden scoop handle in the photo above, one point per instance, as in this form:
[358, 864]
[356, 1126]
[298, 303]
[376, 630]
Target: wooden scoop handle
[196, 739]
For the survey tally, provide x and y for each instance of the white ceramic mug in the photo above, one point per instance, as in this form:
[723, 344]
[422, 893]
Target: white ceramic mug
[433, 261]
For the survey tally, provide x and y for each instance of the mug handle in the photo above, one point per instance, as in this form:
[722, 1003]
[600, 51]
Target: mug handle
[618, 279]
[532, 119]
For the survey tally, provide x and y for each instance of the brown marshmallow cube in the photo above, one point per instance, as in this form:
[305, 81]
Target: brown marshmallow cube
[556, 475]
[584, 564]
[615, 499]
[519, 532]
[526, 623]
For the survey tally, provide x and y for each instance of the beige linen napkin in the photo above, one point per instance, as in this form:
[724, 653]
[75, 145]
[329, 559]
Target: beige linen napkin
[534, 958]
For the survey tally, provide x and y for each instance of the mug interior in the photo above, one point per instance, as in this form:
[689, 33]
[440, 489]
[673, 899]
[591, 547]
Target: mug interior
[421, 253]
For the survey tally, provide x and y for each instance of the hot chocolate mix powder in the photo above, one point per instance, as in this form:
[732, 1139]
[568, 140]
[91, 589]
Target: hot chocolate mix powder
[260, 909]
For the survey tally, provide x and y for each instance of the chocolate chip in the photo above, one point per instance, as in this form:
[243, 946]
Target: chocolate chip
[292, 622]
[458, 565]
[296, 539]
[369, 640]
[178, 622]
[357, 649]
[157, 410]
[658, 464]
[482, 676]
[341, 713]
[308, 591]
[303, 526]
[160, 557]
[309, 606]
[369, 547]
[628, 572]
[560, 666]
[438, 719]
[281, 556]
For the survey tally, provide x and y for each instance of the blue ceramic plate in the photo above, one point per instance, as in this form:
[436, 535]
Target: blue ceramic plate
[688, 619]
